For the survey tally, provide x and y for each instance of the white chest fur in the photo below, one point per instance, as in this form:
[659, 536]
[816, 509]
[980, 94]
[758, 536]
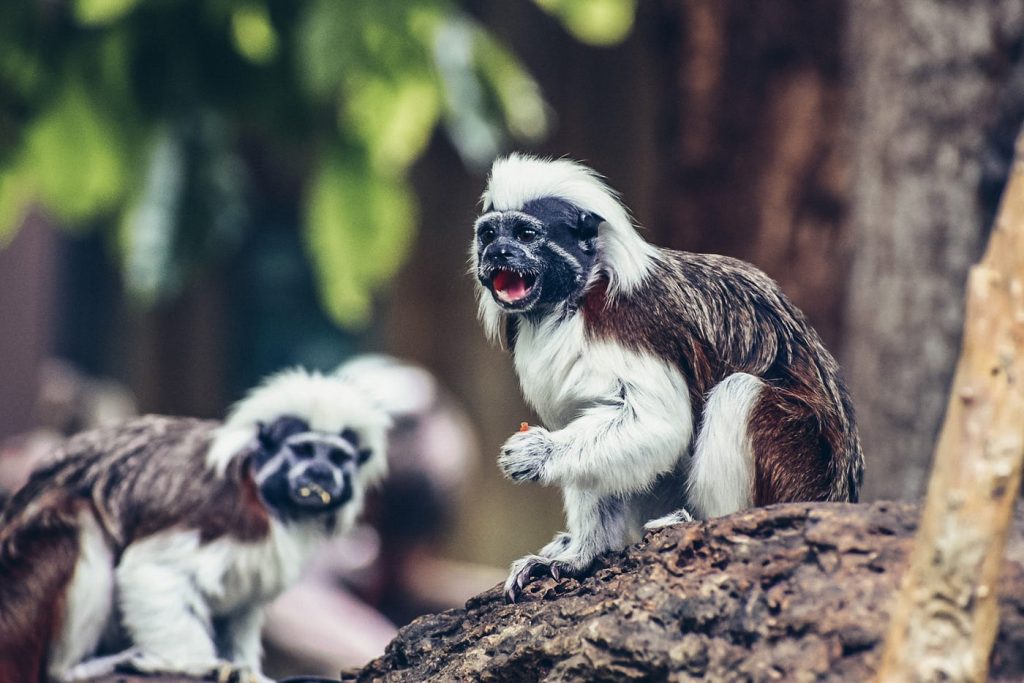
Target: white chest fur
[562, 373]
[259, 572]
[551, 361]
[228, 573]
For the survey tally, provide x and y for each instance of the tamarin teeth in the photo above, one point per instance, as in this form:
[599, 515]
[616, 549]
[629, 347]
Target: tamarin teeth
[307, 491]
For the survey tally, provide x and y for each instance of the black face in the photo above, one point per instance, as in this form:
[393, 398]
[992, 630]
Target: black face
[538, 257]
[301, 472]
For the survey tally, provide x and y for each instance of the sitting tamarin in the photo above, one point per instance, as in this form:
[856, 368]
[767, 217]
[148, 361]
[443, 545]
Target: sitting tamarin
[668, 382]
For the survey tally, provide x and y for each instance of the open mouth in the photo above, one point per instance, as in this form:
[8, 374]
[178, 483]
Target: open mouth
[312, 497]
[512, 286]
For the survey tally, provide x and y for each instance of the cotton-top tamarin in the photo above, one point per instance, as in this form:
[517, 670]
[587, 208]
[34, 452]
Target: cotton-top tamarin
[156, 542]
[667, 382]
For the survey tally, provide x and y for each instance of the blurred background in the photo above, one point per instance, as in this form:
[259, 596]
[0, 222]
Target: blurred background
[194, 193]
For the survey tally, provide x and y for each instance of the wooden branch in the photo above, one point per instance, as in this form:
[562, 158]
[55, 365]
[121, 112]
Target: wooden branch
[945, 620]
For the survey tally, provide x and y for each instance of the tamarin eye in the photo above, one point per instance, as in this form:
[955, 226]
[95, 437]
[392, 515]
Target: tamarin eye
[487, 235]
[526, 235]
[303, 450]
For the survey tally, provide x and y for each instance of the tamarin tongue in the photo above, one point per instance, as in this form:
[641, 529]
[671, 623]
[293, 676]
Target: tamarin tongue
[510, 285]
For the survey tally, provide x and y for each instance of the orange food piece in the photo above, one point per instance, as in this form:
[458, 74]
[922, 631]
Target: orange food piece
[524, 426]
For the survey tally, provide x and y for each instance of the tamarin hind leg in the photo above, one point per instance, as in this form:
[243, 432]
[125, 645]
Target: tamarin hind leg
[757, 445]
[793, 461]
[721, 479]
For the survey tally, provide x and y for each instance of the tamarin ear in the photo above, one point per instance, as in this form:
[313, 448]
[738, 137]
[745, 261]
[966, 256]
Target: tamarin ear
[350, 436]
[587, 224]
[264, 437]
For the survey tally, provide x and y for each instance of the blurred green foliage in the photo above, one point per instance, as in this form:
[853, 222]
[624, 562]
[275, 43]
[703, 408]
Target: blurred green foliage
[599, 22]
[143, 115]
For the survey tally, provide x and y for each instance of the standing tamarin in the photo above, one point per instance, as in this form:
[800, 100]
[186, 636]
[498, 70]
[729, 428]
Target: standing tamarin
[158, 541]
[666, 381]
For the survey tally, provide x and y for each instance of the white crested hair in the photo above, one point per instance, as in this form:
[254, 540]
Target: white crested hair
[623, 255]
[327, 403]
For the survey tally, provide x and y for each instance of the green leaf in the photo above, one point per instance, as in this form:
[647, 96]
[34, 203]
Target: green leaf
[383, 39]
[598, 22]
[253, 34]
[100, 12]
[76, 156]
[518, 95]
[393, 118]
[359, 224]
[327, 38]
[21, 71]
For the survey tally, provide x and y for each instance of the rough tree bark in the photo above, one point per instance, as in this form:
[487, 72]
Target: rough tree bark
[935, 84]
[946, 616]
[793, 592]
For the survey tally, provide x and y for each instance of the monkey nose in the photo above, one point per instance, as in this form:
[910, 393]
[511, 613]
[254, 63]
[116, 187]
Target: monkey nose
[320, 473]
[500, 251]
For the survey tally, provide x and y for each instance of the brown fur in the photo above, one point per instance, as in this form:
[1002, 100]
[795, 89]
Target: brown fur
[146, 475]
[791, 456]
[714, 316]
[36, 566]
[137, 479]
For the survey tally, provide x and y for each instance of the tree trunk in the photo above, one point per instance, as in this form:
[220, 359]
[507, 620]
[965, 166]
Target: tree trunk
[933, 93]
[946, 617]
[754, 167]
